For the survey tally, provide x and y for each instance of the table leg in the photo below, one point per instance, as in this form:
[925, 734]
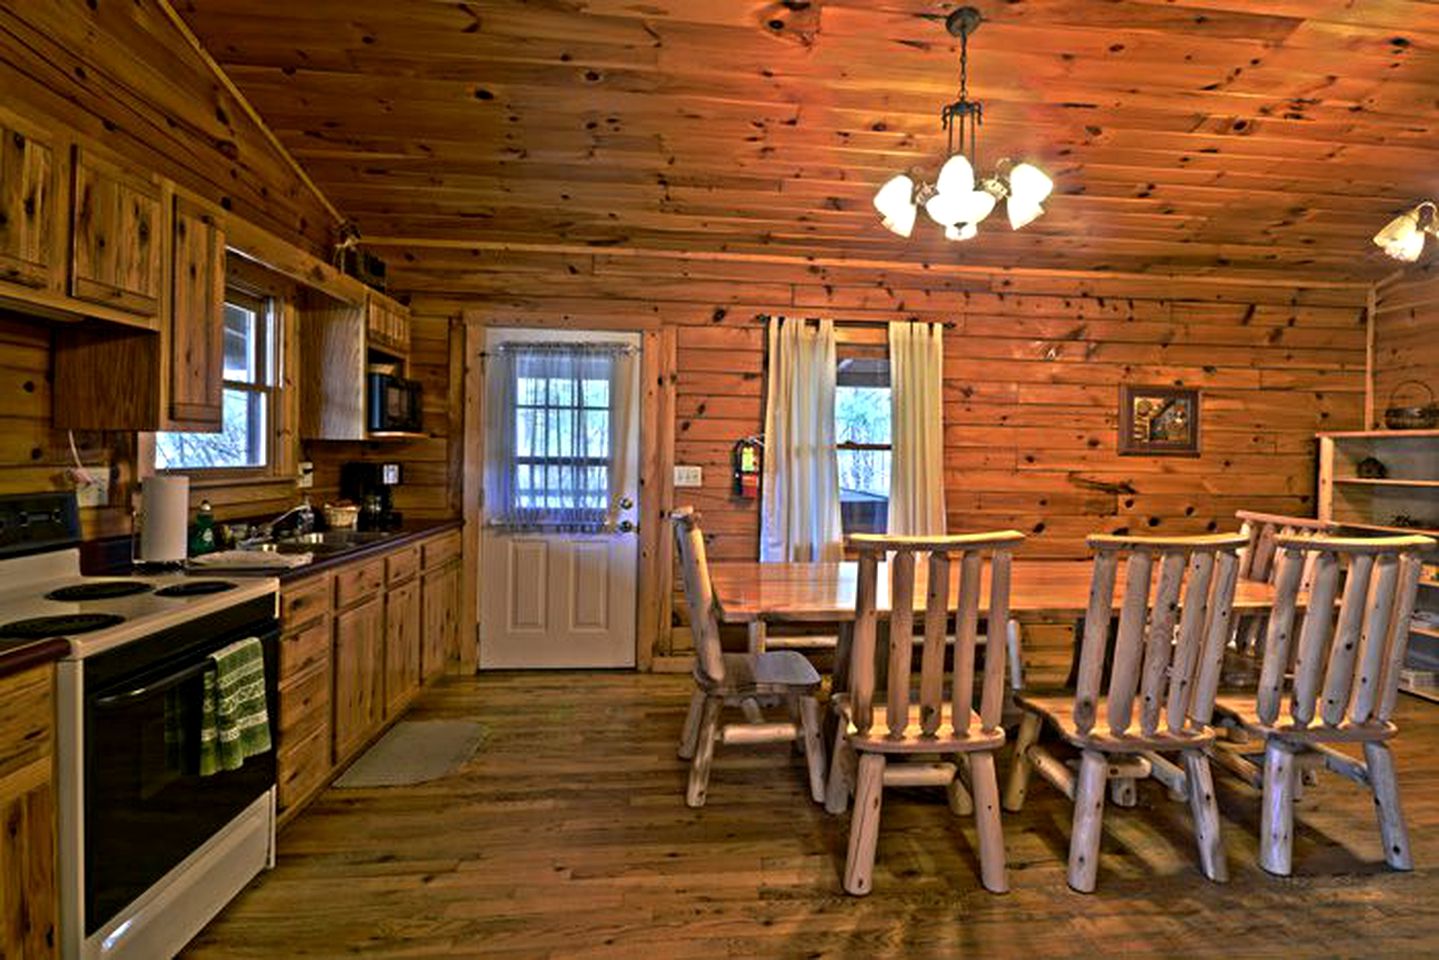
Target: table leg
[757, 632]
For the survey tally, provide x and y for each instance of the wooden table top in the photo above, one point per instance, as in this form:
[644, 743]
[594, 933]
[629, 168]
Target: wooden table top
[824, 592]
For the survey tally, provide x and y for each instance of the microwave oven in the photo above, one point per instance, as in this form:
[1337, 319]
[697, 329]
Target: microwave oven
[394, 404]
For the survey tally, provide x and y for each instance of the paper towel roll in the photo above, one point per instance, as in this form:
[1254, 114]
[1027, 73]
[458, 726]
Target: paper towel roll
[164, 516]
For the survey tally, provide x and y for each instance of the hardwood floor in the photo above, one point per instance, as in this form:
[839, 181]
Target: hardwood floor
[567, 836]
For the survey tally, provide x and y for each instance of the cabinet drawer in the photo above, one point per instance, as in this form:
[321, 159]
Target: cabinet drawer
[304, 705]
[26, 713]
[402, 565]
[303, 602]
[441, 549]
[302, 649]
[303, 766]
[360, 582]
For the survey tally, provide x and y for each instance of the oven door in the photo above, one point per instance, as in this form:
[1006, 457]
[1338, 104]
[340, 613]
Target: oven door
[146, 805]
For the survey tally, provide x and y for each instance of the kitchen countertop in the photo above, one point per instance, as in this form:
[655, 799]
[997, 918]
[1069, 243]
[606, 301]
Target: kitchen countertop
[22, 655]
[411, 531]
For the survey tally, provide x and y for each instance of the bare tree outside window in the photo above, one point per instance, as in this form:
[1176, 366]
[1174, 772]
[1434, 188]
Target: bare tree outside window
[863, 442]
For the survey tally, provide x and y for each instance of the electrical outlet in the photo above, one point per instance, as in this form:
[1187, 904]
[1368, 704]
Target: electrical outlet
[96, 493]
[306, 478]
[688, 476]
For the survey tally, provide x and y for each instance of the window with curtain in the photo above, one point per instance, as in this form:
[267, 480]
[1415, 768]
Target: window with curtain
[552, 439]
[863, 441]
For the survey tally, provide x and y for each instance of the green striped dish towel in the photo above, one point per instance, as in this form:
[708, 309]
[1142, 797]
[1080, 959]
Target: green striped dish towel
[234, 720]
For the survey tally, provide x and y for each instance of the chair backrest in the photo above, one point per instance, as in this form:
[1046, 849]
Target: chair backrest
[1256, 560]
[699, 593]
[1347, 663]
[938, 552]
[1195, 591]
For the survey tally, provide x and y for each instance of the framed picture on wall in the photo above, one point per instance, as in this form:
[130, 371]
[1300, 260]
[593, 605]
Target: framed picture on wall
[1158, 421]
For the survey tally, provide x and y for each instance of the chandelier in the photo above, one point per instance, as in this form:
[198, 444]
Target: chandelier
[957, 201]
[1403, 238]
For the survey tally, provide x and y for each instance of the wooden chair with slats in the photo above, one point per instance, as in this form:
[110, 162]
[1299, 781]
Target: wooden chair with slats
[1256, 561]
[1168, 651]
[1343, 686]
[920, 718]
[745, 680]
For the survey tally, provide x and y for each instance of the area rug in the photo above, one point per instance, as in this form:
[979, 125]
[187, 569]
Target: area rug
[414, 751]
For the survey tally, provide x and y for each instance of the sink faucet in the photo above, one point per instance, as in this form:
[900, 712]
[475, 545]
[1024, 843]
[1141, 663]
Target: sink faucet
[304, 516]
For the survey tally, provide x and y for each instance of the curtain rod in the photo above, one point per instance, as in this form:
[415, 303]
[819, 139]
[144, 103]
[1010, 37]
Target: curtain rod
[766, 317]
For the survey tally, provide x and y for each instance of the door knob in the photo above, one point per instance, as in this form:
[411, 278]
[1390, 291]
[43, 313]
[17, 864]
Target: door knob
[626, 526]
[626, 503]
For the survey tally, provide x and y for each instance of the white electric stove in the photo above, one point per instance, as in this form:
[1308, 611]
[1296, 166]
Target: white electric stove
[150, 850]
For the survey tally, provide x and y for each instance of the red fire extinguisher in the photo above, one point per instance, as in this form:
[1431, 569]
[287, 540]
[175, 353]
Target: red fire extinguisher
[746, 458]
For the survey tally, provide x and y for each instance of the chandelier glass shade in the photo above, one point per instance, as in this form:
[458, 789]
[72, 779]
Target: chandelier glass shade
[1403, 237]
[958, 200]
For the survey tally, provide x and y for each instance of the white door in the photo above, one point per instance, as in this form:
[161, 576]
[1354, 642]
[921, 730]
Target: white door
[559, 551]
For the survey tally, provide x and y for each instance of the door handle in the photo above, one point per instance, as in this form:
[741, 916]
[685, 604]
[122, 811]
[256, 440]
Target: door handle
[626, 526]
[626, 503]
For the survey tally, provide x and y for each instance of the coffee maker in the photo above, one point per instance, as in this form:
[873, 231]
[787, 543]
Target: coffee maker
[372, 486]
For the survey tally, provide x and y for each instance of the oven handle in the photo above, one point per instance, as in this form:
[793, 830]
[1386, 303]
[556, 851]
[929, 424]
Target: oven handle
[165, 683]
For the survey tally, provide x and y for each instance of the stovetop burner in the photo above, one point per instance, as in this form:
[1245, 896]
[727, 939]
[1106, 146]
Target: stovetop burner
[105, 590]
[38, 628]
[195, 588]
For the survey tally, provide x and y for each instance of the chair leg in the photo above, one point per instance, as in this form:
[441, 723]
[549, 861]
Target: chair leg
[1088, 821]
[1124, 792]
[813, 747]
[841, 772]
[864, 824]
[985, 783]
[704, 752]
[961, 804]
[1012, 645]
[1276, 821]
[1205, 809]
[1019, 768]
[1386, 805]
[690, 735]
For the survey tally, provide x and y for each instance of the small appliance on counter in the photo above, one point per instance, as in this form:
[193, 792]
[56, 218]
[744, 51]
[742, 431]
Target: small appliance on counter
[372, 486]
[394, 404]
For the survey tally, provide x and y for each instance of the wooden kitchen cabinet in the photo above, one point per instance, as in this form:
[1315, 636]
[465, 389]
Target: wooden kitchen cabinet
[402, 646]
[31, 223]
[117, 237]
[197, 318]
[441, 601]
[28, 892]
[359, 653]
[302, 745]
[387, 325]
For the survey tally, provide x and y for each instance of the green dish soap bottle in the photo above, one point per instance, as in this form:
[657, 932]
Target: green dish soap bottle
[202, 534]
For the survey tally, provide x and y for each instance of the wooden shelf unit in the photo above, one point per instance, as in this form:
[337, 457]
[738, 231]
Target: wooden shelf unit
[1373, 505]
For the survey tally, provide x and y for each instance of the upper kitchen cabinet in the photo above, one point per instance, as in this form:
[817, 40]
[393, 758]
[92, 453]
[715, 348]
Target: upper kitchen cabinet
[117, 239]
[31, 200]
[343, 344]
[197, 317]
[388, 325]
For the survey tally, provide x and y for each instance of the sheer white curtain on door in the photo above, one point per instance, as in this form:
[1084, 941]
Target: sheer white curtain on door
[916, 381]
[556, 422]
[799, 512]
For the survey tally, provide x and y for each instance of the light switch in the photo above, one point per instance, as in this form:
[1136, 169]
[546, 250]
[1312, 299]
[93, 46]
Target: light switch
[688, 476]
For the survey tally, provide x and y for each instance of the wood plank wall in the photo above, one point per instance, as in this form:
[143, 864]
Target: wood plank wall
[431, 466]
[1406, 338]
[1032, 372]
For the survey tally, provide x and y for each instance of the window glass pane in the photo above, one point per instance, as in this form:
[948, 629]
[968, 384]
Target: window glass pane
[240, 443]
[562, 392]
[597, 433]
[597, 393]
[241, 350]
[863, 474]
[862, 415]
[531, 391]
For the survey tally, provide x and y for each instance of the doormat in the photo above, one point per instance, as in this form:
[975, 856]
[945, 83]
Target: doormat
[415, 751]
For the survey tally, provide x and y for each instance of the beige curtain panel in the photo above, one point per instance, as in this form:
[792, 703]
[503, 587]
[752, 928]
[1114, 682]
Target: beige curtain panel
[916, 375]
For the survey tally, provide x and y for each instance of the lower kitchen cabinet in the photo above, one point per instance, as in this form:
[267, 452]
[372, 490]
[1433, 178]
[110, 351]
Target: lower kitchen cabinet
[359, 675]
[442, 624]
[28, 893]
[402, 646]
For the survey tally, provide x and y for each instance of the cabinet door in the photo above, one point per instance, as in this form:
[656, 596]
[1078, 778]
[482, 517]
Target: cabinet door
[197, 319]
[29, 198]
[28, 894]
[402, 646]
[359, 677]
[442, 618]
[116, 247]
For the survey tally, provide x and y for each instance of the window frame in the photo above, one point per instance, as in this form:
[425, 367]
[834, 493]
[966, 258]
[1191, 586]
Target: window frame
[268, 309]
[846, 349]
[579, 408]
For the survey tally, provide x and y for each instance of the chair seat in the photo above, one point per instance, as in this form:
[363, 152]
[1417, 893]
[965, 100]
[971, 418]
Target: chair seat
[913, 741]
[1242, 710]
[772, 672]
[1059, 711]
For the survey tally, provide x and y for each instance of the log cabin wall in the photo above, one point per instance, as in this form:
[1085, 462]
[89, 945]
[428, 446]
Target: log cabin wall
[431, 487]
[124, 76]
[1406, 338]
[1032, 370]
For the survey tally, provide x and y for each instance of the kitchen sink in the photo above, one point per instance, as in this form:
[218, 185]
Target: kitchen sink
[322, 543]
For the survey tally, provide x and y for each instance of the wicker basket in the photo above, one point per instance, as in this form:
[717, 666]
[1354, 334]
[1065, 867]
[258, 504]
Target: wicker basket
[1420, 417]
[341, 517]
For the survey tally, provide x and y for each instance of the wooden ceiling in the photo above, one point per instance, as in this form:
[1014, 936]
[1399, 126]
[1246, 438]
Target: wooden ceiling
[1185, 136]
